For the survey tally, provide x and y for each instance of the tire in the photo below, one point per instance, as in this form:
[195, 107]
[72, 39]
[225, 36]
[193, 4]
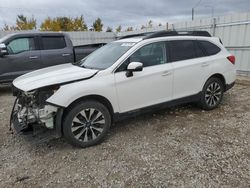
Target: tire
[212, 94]
[86, 123]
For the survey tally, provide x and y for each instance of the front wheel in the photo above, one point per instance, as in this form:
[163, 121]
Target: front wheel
[212, 94]
[86, 124]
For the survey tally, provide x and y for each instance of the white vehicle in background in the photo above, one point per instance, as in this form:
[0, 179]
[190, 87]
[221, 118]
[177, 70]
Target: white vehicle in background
[134, 74]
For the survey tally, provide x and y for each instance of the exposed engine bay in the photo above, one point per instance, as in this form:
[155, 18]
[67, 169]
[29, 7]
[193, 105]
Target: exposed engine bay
[31, 108]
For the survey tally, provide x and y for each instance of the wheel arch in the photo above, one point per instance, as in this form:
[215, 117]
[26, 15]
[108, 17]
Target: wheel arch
[219, 76]
[63, 111]
[98, 98]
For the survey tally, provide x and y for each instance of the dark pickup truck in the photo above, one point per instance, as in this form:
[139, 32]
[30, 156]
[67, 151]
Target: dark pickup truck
[21, 53]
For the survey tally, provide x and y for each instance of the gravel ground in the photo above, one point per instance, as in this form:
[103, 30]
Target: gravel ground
[179, 147]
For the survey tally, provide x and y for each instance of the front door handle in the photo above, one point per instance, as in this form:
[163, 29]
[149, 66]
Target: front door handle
[166, 73]
[64, 55]
[33, 57]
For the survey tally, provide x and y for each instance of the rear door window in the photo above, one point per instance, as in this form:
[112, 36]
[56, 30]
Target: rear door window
[199, 50]
[51, 42]
[210, 48]
[182, 50]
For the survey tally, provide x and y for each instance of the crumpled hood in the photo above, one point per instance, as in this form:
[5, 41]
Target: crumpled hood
[52, 75]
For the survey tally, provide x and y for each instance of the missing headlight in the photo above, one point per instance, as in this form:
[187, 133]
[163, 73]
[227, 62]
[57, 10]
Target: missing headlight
[45, 93]
[31, 108]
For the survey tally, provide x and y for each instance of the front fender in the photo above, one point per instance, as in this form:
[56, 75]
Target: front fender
[102, 86]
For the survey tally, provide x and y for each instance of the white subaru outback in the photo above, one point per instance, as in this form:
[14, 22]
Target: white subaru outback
[130, 75]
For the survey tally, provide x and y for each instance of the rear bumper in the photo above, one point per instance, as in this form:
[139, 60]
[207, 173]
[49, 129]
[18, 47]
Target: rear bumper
[229, 86]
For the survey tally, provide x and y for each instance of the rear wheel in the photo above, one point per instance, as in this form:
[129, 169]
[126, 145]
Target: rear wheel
[86, 124]
[212, 94]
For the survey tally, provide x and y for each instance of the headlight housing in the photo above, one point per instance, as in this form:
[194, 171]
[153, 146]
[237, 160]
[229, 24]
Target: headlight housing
[44, 93]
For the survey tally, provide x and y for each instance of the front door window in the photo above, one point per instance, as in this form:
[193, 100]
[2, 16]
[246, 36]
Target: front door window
[21, 45]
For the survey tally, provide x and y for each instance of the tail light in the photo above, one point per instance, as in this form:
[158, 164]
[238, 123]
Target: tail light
[231, 59]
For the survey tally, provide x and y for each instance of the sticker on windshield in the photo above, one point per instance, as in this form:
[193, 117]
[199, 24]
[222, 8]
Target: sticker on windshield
[128, 44]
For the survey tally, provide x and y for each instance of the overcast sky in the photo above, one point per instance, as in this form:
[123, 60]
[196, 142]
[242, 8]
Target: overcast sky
[119, 12]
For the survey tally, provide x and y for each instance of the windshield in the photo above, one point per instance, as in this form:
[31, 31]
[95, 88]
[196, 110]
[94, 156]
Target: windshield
[106, 56]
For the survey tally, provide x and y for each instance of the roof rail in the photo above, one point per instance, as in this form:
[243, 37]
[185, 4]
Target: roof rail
[177, 33]
[136, 35]
[163, 33]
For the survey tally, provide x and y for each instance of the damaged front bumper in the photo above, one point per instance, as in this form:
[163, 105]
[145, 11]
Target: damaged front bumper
[18, 126]
[30, 109]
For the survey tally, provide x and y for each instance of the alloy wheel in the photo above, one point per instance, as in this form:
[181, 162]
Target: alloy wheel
[213, 94]
[88, 124]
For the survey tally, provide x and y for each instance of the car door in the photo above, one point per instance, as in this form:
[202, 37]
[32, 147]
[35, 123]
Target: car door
[23, 56]
[55, 51]
[190, 66]
[153, 85]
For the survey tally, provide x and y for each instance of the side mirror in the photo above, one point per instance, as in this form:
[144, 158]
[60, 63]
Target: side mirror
[133, 67]
[3, 50]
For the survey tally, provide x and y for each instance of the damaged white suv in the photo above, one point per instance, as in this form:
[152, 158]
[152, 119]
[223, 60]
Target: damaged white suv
[134, 74]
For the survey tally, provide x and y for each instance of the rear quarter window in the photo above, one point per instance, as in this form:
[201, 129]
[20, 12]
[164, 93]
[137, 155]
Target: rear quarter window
[209, 48]
[51, 42]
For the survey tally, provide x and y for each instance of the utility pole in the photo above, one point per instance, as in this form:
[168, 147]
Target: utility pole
[192, 13]
[196, 5]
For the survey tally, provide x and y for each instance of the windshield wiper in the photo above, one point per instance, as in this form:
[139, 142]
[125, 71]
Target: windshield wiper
[77, 64]
[83, 66]
[74, 63]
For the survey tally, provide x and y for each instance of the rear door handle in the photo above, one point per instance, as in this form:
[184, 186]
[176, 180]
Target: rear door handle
[64, 55]
[33, 57]
[205, 64]
[166, 73]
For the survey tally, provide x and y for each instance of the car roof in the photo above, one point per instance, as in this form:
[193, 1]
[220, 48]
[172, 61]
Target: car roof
[133, 40]
[33, 33]
[139, 39]
[166, 35]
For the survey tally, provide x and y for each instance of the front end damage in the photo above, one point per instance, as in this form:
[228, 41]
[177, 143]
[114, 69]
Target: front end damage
[33, 89]
[31, 109]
